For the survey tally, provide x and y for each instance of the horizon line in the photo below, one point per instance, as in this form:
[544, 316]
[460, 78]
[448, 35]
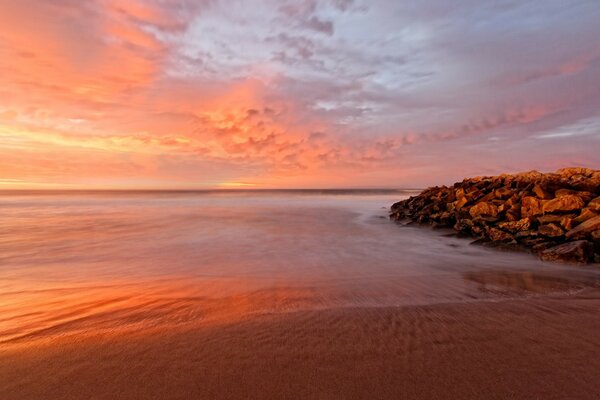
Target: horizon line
[208, 189]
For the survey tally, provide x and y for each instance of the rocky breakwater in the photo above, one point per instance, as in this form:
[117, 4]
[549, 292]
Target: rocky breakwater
[556, 215]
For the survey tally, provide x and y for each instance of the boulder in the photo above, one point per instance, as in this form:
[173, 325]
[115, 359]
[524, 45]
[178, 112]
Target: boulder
[460, 202]
[548, 218]
[579, 251]
[530, 233]
[540, 244]
[586, 214]
[530, 207]
[541, 193]
[551, 231]
[571, 171]
[535, 210]
[498, 235]
[483, 209]
[516, 226]
[567, 223]
[565, 203]
[503, 193]
[584, 229]
[594, 205]
[585, 196]
[513, 213]
[596, 240]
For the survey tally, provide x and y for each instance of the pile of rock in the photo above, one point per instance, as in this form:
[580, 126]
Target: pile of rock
[557, 215]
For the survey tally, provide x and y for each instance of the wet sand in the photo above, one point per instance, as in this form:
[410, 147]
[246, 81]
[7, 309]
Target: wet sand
[543, 347]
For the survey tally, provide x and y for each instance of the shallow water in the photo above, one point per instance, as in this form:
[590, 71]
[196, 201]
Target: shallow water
[88, 262]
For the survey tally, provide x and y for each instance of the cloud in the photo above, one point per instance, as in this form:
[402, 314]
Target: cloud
[182, 92]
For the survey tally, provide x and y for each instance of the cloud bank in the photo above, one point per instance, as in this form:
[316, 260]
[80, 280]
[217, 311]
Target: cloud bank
[304, 93]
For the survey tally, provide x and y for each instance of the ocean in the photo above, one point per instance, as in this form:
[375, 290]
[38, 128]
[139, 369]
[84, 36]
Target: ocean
[89, 262]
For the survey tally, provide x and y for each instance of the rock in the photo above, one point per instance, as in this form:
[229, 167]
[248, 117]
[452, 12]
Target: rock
[460, 202]
[526, 234]
[564, 203]
[567, 223]
[551, 230]
[503, 193]
[586, 214]
[514, 213]
[478, 231]
[540, 244]
[571, 171]
[483, 209]
[583, 229]
[530, 207]
[546, 219]
[594, 205]
[579, 251]
[535, 210]
[585, 196]
[516, 226]
[529, 176]
[498, 235]
[596, 240]
[541, 193]
[463, 226]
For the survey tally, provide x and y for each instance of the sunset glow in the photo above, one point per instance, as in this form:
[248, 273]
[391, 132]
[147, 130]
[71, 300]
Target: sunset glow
[284, 94]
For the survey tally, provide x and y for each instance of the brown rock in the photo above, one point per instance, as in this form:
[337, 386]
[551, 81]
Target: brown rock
[539, 244]
[571, 171]
[541, 193]
[529, 176]
[578, 252]
[478, 230]
[513, 215]
[516, 226]
[594, 205]
[585, 196]
[474, 195]
[488, 197]
[530, 207]
[513, 201]
[463, 225]
[546, 219]
[567, 223]
[503, 193]
[498, 235]
[507, 209]
[586, 214]
[596, 240]
[585, 228]
[551, 230]
[564, 192]
[526, 234]
[564, 203]
[460, 202]
[483, 209]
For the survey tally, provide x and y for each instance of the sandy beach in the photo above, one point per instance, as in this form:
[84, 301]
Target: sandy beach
[530, 348]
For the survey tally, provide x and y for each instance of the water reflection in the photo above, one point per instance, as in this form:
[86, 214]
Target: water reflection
[89, 262]
[529, 282]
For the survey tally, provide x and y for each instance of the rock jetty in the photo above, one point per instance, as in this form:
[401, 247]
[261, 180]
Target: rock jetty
[555, 215]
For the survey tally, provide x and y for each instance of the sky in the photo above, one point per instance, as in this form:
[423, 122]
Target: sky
[184, 94]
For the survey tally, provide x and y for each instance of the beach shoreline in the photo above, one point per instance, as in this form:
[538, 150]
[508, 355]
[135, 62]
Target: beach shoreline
[531, 347]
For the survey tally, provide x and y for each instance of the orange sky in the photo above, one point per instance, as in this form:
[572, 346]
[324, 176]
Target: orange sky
[305, 93]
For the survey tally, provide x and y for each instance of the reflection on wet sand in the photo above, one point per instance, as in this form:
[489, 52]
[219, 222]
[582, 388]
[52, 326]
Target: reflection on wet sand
[51, 312]
[530, 282]
[46, 312]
